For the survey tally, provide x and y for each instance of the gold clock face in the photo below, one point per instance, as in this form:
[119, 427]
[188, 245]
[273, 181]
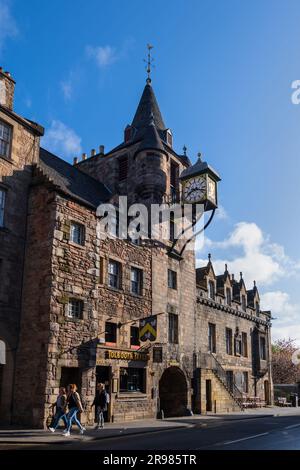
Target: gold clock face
[195, 189]
[211, 189]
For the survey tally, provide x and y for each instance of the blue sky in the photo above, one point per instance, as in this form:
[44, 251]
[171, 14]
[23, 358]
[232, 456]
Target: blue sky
[223, 79]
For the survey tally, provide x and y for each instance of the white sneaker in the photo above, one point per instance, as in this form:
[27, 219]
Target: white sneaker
[51, 429]
[82, 430]
[67, 433]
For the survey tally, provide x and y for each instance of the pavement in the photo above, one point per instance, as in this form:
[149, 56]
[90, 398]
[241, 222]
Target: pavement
[150, 430]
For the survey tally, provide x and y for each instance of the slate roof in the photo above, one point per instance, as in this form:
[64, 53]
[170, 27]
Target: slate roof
[148, 106]
[72, 181]
[198, 168]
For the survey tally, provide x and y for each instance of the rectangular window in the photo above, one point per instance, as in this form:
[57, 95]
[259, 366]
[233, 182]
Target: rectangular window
[77, 233]
[211, 290]
[75, 308]
[229, 379]
[238, 345]
[132, 379]
[262, 348]
[244, 303]
[212, 337]
[228, 296]
[257, 308]
[229, 341]
[245, 382]
[123, 168]
[172, 229]
[114, 274]
[173, 328]
[136, 281]
[134, 336]
[110, 332]
[172, 279]
[2, 206]
[244, 345]
[5, 139]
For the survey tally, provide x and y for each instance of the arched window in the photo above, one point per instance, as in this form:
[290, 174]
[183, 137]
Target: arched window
[211, 289]
[2, 353]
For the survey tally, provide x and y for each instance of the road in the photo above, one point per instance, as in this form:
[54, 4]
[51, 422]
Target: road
[263, 433]
[271, 433]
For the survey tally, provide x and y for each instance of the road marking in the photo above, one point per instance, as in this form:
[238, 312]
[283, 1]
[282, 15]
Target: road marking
[245, 438]
[292, 426]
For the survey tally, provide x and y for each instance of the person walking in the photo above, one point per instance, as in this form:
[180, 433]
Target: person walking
[75, 406]
[60, 410]
[100, 402]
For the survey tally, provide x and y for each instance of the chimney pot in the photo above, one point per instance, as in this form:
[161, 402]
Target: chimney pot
[75, 161]
[101, 149]
[84, 156]
[93, 152]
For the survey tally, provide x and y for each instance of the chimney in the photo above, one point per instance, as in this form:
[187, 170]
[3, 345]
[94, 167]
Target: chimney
[7, 89]
[75, 161]
[84, 156]
[93, 152]
[101, 149]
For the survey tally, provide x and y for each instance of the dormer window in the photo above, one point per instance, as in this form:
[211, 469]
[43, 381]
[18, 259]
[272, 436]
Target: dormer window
[257, 308]
[244, 303]
[228, 296]
[168, 137]
[211, 290]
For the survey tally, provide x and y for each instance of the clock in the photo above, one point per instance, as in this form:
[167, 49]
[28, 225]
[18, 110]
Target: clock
[195, 189]
[211, 190]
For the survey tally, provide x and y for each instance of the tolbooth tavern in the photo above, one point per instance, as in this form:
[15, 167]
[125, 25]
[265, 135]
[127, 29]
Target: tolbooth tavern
[72, 305]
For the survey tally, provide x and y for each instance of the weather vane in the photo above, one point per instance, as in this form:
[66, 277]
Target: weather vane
[149, 63]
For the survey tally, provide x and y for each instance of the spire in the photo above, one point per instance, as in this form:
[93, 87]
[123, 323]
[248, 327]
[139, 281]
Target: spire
[148, 106]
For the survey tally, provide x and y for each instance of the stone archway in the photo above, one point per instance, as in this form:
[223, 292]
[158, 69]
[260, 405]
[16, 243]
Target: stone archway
[173, 392]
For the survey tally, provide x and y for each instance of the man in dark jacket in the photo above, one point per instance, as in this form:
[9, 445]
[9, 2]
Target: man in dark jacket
[100, 402]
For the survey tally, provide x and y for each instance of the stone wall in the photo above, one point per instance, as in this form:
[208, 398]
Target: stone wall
[15, 177]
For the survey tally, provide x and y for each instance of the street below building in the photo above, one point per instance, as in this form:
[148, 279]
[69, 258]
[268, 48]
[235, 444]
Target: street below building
[279, 430]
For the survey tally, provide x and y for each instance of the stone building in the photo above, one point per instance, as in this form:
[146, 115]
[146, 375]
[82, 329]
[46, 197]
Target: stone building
[71, 302]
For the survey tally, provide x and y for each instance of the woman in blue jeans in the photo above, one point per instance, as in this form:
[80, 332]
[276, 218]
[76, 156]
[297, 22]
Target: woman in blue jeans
[60, 410]
[75, 406]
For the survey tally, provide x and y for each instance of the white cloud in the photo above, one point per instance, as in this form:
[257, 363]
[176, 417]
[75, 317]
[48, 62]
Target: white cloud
[102, 55]
[286, 323]
[67, 89]
[62, 140]
[250, 251]
[8, 25]
[221, 213]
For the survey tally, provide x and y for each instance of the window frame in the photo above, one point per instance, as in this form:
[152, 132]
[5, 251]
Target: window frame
[229, 350]
[212, 337]
[139, 386]
[112, 275]
[134, 339]
[75, 309]
[262, 348]
[173, 328]
[244, 344]
[138, 282]
[123, 168]
[81, 233]
[6, 142]
[172, 279]
[211, 290]
[111, 337]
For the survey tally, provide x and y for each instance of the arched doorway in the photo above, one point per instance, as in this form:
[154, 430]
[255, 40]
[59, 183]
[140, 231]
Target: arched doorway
[173, 392]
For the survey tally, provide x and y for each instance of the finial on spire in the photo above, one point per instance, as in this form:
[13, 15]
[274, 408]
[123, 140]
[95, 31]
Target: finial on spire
[241, 275]
[199, 155]
[254, 283]
[226, 267]
[184, 148]
[209, 257]
[149, 63]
